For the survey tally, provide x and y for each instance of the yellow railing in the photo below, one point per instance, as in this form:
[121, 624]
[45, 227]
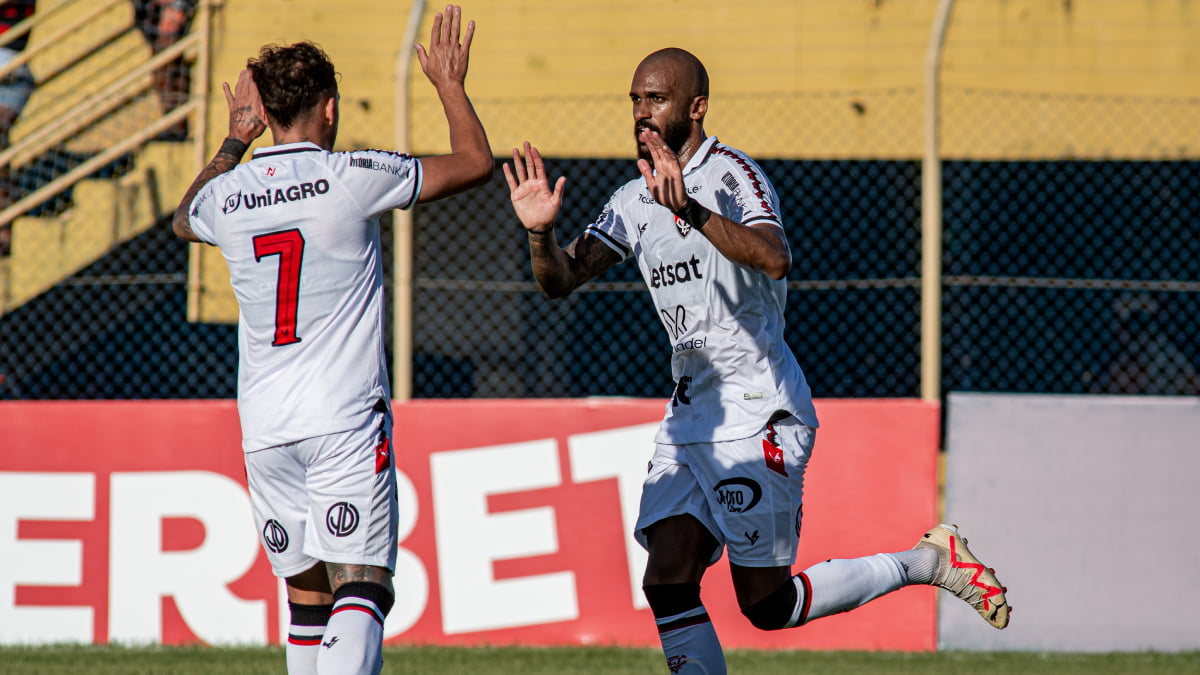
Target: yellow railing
[121, 91]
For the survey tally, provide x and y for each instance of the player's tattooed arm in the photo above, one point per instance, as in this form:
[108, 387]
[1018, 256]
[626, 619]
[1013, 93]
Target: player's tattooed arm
[759, 246]
[247, 121]
[559, 271]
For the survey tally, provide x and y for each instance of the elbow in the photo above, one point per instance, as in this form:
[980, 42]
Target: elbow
[778, 268]
[481, 169]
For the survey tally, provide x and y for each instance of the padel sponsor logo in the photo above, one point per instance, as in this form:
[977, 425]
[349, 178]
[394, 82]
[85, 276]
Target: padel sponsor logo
[291, 193]
[689, 345]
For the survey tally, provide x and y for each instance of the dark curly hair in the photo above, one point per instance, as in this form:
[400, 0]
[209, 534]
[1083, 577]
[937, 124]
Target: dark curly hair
[292, 79]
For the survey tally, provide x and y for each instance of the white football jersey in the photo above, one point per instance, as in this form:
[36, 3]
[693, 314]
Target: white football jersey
[299, 229]
[725, 322]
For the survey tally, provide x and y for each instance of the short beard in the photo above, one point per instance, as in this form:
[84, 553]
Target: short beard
[675, 135]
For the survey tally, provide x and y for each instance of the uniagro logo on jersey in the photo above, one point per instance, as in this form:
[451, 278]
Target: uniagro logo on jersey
[271, 197]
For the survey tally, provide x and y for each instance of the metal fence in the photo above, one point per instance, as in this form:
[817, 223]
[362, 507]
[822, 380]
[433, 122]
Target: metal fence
[1059, 275]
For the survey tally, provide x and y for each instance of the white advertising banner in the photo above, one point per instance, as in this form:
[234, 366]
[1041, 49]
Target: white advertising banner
[1087, 507]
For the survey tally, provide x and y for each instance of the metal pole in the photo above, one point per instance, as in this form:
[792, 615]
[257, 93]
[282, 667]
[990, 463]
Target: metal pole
[931, 213]
[402, 226]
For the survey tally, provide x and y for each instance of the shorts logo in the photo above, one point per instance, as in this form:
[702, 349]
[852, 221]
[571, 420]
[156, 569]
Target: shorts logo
[275, 538]
[341, 519]
[752, 537]
[676, 662]
[799, 518]
[738, 495]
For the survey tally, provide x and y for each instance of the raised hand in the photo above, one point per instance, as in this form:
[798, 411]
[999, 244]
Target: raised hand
[536, 205]
[664, 177]
[446, 60]
[247, 116]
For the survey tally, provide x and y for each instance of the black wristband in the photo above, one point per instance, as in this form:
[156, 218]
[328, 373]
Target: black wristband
[694, 214]
[233, 146]
[541, 233]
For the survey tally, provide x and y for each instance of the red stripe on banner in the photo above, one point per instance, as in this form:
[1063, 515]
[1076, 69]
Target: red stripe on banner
[514, 529]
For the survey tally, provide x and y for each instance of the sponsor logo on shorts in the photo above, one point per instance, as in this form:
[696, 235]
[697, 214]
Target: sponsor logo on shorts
[799, 518]
[738, 495]
[676, 662]
[752, 537]
[275, 537]
[342, 519]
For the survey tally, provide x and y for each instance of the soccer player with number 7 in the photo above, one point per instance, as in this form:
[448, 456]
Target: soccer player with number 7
[298, 225]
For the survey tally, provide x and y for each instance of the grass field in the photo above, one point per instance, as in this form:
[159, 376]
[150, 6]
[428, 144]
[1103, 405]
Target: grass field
[573, 660]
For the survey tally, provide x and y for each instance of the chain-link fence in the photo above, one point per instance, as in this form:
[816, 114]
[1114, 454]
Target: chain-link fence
[1060, 275]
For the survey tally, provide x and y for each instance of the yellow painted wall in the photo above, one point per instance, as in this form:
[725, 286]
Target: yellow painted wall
[790, 78]
[804, 79]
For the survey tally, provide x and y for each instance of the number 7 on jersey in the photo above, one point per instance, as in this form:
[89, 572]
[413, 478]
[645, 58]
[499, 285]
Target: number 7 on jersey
[289, 246]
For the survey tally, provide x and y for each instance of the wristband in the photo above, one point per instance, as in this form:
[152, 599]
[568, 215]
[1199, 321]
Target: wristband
[541, 233]
[232, 146]
[694, 214]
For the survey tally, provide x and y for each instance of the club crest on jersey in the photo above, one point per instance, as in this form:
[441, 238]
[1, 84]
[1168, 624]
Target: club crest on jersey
[683, 227]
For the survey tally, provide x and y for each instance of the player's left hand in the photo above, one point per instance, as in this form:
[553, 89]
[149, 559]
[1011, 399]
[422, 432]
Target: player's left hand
[447, 58]
[247, 116]
[665, 177]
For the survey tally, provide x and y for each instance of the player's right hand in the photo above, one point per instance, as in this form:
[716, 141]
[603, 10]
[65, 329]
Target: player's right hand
[533, 200]
[247, 116]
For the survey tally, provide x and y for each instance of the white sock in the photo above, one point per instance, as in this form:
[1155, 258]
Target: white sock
[690, 644]
[843, 584]
[305, 630]
[353, 642]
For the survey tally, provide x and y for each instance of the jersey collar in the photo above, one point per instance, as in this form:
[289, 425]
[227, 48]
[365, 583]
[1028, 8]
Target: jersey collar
[286, 149]
[702, 154]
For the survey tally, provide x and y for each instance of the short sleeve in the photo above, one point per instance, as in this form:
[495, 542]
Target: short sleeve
[379, 180]
[610, 227]
[201, 216]
[742, 192]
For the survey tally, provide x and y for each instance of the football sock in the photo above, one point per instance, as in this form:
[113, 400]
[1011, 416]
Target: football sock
[304, 637]
[353, 641]
[842, 584]
[920, 564]
[688, 639]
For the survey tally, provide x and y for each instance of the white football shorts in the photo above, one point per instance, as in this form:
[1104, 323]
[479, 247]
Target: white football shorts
[748, 492]
[330, 498]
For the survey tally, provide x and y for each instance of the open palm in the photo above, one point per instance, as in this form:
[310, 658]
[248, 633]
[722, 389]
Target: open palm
[533, 200]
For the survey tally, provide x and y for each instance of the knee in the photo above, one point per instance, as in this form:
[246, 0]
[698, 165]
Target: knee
[776, 611]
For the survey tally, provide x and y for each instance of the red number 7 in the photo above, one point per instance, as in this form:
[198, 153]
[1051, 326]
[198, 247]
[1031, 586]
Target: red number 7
[289, 246]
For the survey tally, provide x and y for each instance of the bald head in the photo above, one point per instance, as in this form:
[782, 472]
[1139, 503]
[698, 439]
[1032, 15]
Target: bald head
[689, 73]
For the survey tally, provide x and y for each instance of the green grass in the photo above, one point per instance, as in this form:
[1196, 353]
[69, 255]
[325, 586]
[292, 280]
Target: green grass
[78, 660]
